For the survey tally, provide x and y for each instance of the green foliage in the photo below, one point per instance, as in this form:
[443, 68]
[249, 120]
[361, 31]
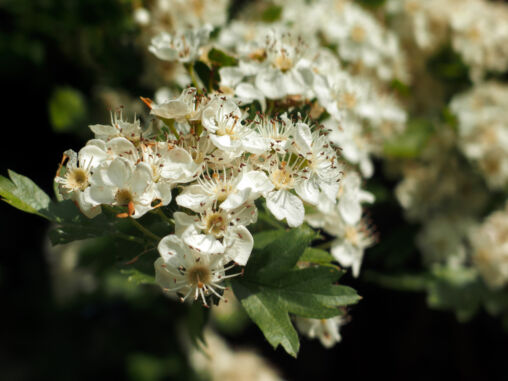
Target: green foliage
[272, 287]
[67, 109]
[410, 143]
[272, 13]
[460, 290]
[23, 194]
[316, 256]
[219, 58]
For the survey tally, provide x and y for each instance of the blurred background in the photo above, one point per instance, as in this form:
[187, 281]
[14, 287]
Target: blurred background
[65, 64]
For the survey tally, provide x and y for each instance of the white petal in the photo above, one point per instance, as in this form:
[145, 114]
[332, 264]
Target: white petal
[194, 198]
[239, 243]
[119, 172]
[205, 243]
[283, 204]
[172, 248]
[303, 138]
[141, 178]
[99, 194]
[255, 143]
[91, 156]
[256, 181]
[271, 83]
[102, 130]
[122, 147]
[247, 93]
[171, 109]
[350, 209]
[183, 221]
[308, 191]
[234, 200]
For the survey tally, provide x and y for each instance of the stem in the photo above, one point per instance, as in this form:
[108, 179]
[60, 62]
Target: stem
[325, 245]
[144, 230]
[270, 221]
[192, 73]
[127, 237]
[171, 125]
[164, 217]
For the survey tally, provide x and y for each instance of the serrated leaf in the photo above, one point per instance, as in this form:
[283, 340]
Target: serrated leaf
[280, 255]
[272, 288]
[73, 225]
[138, 277]
[317, 256]
[219, 58]
[23, 194]
[270, 317]
[264, 238]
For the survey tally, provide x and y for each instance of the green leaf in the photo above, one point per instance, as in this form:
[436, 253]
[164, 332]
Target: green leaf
[272, 287]
[195, 321]
[23, 194]
[73, 225]
[209, 77]
[316, 256]
[272, 14]
[264, 238]
[138, 277]
[411, 142]
[66, 109]
[221, 59]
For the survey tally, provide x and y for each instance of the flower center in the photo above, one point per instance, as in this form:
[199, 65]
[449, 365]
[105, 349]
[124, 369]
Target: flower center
[282, 178]
[283, 62]
[77, 179]
[222, 191]
[347, 100]
[123, 197]
[352, 235]
[215, 224]
[358, 34]
[199, 275]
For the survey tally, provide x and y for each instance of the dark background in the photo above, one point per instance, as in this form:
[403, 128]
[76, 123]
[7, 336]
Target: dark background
[47, 44]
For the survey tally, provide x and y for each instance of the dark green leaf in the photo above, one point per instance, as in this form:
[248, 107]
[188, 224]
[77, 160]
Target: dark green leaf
[66, 109]
[221, 59]
[317, 256]
[195, 321]
[138, 277]
[270, 317]
[272, 286]
[272, 13]
[23, 194]
[264, 238]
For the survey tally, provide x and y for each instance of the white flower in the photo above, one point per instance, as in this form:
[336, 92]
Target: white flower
[321, 172]
[186, 107]
[181, 46]
[184, 272]
[285, 174]
[351, 196]
[76, 179]
[219, 232]
[353, 141]
[227, 191]
[118, 128]
[490, 248]
[351, 239]
[120, 183]
[349, 247]
[326, 330]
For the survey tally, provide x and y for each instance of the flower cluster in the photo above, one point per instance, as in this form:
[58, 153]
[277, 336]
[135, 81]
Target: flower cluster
[477, 29]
